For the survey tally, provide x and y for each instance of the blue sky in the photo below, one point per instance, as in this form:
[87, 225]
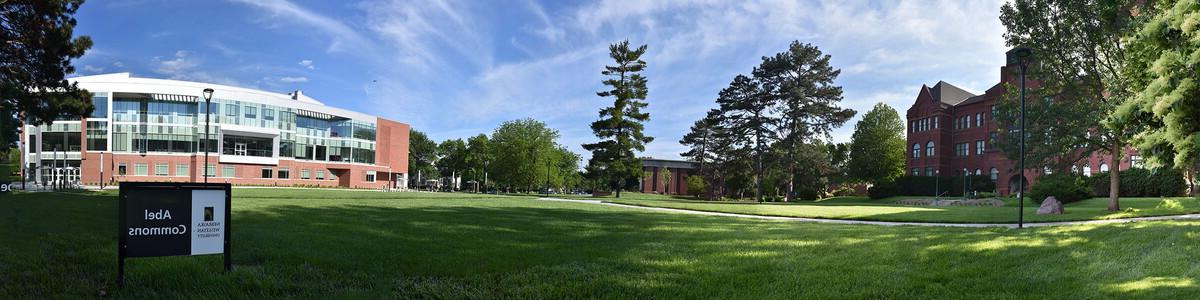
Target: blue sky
[458, 68]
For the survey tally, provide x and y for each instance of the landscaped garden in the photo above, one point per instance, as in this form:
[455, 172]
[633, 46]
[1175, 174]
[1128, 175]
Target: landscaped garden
[863, 208]
[357, 244]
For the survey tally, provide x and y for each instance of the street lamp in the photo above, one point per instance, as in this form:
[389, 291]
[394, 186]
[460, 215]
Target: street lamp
[1023, 54]
[207, 123]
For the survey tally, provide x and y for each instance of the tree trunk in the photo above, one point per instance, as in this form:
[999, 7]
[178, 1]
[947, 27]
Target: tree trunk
[1114, 180]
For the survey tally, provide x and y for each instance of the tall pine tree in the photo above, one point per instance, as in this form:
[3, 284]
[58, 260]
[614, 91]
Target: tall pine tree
[620, 126]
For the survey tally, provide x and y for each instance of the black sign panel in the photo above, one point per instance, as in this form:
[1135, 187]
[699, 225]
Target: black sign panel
[168, 219]
[5, 187]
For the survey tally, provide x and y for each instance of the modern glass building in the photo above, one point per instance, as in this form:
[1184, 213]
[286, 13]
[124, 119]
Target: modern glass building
[147, 129]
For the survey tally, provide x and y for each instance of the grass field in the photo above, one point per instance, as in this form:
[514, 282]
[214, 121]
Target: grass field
[862, 208]
[348, 244]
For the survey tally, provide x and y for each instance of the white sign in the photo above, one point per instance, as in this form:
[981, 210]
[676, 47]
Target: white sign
[208, 222]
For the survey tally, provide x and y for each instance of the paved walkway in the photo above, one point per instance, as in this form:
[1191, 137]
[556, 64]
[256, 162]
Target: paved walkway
[883, 223]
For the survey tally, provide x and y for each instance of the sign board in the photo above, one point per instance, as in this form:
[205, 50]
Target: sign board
[171, 219]
[5, 187]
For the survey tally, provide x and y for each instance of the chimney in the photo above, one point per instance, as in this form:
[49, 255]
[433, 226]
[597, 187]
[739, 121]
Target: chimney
[296, 94]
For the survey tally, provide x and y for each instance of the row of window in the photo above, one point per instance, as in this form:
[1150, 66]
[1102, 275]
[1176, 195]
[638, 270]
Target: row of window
[143, 169]
[924, 124]
[930, 171]
[966, 121]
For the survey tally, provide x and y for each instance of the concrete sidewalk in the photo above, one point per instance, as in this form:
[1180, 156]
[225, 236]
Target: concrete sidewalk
[884, 223]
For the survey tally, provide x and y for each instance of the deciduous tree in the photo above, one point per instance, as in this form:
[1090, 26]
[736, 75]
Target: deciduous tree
[877, 146]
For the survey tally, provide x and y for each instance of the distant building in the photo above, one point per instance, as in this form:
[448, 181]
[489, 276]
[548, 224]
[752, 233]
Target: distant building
[653, 181]
[147, 129]
[952, 132]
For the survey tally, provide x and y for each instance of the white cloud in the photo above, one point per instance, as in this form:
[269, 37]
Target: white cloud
[342, 37]
[307, 63]
[182, 66]
[93, 69]
[293, 79]
[118, 64]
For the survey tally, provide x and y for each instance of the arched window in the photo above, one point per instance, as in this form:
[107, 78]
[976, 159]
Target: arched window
[1087, 170]
[978, 172]
[995, 174]
[929, 149]
[1074, 169]
[1103, 167]
[916, 150]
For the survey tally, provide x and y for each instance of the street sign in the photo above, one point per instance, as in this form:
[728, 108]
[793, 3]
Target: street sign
[171, 219]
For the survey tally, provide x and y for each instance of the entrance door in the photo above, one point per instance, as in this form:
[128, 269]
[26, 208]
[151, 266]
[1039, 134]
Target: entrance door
[239, 149]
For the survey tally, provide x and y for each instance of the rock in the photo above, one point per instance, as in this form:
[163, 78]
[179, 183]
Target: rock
[1050, 207]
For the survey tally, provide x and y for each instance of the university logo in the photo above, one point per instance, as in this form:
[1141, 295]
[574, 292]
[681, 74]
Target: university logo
[208, 213]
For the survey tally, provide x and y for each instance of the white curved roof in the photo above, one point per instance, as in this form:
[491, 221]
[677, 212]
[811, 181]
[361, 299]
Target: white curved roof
[124, 82]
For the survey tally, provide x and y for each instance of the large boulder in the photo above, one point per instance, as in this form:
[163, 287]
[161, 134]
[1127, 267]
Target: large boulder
[1050, 207]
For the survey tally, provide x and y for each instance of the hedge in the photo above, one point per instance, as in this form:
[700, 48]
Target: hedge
[1138, 182]
[948, 186]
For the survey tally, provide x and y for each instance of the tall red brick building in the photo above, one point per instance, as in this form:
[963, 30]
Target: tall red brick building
[952, 131]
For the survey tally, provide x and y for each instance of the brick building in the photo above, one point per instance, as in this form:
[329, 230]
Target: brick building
[653, 181]
[951, 132]
[147, 129]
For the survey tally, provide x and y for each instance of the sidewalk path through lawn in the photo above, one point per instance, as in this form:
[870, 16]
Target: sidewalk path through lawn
[884, 223]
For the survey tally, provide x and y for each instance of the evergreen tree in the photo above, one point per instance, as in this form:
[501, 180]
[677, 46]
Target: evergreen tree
[37, 50]
[745, 114]
[620, 126]
[800, 83]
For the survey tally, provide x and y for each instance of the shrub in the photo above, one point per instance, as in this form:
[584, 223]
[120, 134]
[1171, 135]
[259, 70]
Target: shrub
[843, 191]
[1065, 187]
[884, 190]
[807, 194]
[696, 185]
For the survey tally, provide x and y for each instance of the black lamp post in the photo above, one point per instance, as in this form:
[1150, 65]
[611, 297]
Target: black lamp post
[1023, 55]
[207, 110]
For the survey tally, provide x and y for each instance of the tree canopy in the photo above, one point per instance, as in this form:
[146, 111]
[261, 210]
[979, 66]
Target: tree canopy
[877, 146]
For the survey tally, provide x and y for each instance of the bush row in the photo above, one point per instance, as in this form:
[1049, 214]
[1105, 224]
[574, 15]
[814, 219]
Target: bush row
[1137, 182]
[1065, 187]
[948, 186]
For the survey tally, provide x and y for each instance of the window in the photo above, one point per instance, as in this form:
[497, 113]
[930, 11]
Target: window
[210, 171]
[122, 169]
[267, 172]
[268, 114]
[320, 174]
[995, 174]
[228, 171]
[978, 172]
[161, 170]
[961, 149]
[968, 123]
[1103, 167]
[181, 170]
[370, 176]
[979, 147]
[101, 104]
[1074, 169]
[231, 110]
[284, 173]
[935, 122]
[304, 174]
[1087, 170]
[141, 169]
[978, 119]
[929, 171]
[251, 112]
[916, 172]
[916, 151]
[994, 112]
[1135, 161]
[929, 150]
[1046, 170]
[993, 138]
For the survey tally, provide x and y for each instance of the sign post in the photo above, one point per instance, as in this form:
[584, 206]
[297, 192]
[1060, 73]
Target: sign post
[172, 219]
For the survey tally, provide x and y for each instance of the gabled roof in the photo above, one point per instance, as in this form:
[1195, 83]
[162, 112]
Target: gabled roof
[947, 93]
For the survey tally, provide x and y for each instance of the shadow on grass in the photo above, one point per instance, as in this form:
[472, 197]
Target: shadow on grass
[513, 248]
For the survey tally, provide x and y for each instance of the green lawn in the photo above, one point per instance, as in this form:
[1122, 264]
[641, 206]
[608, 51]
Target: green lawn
[348, 244]
[862, 208]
